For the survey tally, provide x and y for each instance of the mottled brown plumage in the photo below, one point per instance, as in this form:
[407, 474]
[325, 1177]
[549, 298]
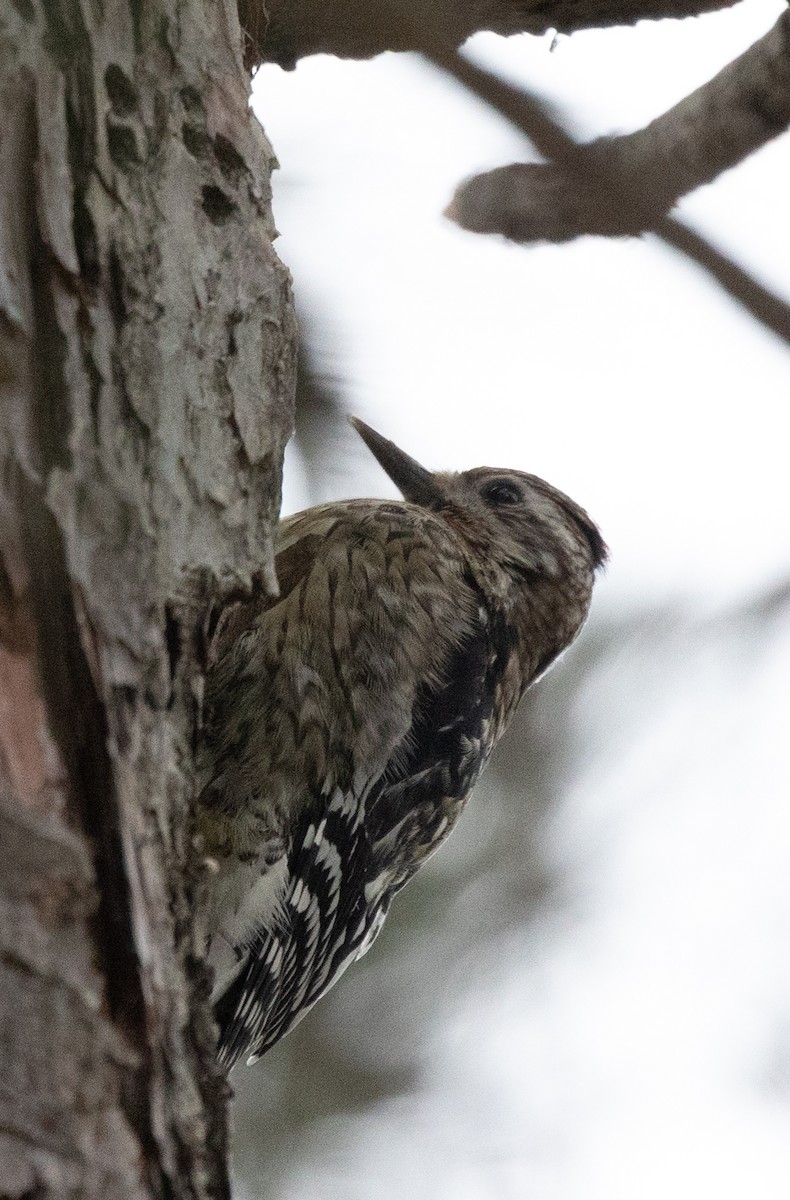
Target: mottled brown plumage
[349, 718]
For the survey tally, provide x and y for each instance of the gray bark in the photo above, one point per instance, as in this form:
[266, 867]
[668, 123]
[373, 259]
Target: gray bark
[146, 380]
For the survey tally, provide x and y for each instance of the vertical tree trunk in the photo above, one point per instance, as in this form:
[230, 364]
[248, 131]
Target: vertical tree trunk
[146, 377]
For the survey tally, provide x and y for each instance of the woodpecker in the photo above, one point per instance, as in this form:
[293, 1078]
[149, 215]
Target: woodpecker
[348, 718]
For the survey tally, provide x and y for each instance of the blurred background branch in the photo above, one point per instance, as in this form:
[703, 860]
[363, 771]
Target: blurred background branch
[624, 185]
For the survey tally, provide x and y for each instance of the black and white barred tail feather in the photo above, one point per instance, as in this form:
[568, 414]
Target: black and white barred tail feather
[320, 927]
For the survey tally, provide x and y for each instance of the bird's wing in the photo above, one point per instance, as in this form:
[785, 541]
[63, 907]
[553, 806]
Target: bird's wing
[412, 809]
[313, 699]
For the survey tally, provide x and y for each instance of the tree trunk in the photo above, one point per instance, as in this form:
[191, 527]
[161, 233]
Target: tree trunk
[146, 370]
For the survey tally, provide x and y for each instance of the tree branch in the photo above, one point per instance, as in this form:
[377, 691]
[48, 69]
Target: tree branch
[283, 31]
[625, 185]
[600, 182]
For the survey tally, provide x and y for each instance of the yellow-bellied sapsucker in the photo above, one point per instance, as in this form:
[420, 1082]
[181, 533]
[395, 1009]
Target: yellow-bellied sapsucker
[348, 719]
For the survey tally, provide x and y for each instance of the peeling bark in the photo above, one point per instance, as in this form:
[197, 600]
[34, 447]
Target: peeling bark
[146, 381]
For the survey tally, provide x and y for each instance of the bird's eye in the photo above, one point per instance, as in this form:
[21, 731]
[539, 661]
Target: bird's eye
[502, 492]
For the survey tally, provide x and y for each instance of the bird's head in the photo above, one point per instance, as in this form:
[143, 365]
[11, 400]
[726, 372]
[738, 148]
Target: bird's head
[522, 533]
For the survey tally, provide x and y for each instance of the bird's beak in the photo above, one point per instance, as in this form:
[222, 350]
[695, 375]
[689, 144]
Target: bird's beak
[417, 485]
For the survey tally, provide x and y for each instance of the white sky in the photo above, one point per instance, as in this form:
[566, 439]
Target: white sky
[630, 1058]
[613, 368]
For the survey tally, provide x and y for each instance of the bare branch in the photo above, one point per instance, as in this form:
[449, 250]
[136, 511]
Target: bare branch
[283, 31]
[581, 179]
[767, 308]
[717, 126]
